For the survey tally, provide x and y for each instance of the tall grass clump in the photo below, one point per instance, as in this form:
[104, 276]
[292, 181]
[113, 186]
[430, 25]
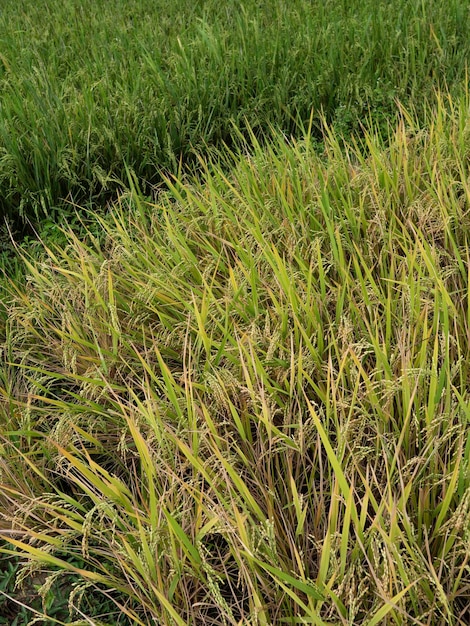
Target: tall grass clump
[250, 406]
[92, 87]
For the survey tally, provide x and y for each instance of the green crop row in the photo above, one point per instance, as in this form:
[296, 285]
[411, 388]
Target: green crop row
[90, 88]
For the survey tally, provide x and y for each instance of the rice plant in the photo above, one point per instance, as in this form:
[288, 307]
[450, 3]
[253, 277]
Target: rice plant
[248, 403]
[92, 87]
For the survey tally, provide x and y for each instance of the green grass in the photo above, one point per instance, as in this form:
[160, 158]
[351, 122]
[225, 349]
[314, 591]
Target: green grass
[249, 403]
[89, 87]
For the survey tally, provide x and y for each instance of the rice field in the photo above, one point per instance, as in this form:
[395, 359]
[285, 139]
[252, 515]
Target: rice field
[93, 89]
[234, 377]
